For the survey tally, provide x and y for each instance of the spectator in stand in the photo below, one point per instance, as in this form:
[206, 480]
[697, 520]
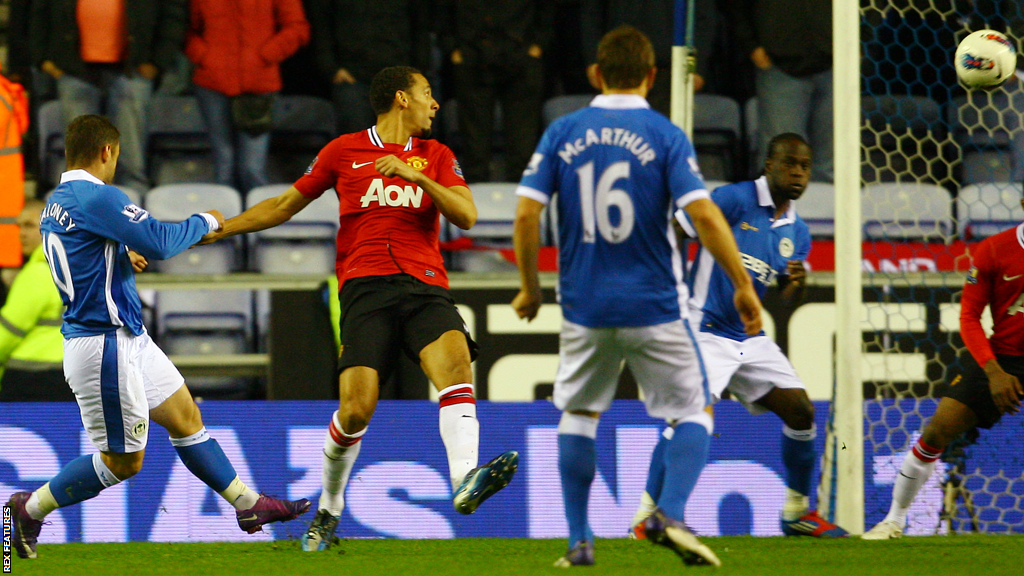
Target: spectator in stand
[237, 48]
[496, 51]
[790, 43]
[31, 345]
[656, 19]
[351, 46]
[106, 57]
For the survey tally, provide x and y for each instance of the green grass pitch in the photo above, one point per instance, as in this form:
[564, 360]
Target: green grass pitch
[931, 556]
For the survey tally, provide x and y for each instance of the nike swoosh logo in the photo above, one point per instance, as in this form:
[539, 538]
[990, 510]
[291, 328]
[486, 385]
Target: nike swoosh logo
[253, 517]
[1009, 278]
[356, 166]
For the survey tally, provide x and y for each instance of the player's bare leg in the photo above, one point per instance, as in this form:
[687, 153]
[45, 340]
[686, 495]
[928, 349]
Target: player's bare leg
[446, 362]
[952, 418]
[203, 456]
[358, 391]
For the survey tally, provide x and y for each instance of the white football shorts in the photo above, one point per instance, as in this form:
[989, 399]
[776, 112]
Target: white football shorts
[117, 378]
[749, 369]
[663, 358]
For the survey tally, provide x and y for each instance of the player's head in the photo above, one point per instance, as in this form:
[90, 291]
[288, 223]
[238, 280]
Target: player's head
[625, 61]
[404, 90]
[28, 226]
[788, 165]
[92, 142]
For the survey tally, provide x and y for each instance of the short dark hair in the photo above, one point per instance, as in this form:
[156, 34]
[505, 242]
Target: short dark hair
[388, 81]
[625, 57]
[784, 139]
[86, 137]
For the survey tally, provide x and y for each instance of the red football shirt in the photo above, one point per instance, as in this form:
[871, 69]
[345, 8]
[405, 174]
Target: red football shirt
[388, 225]
[997, 281]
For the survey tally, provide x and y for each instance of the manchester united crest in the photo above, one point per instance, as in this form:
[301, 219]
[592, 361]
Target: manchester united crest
[417, 163]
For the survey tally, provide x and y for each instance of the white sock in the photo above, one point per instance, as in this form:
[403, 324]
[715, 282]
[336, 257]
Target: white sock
[340, 453]
[41, 503]
[916, 469]
[796, 505]
[239, 495]
[460, 430]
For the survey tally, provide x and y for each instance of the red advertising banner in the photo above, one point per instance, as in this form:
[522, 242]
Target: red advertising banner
[878, 256]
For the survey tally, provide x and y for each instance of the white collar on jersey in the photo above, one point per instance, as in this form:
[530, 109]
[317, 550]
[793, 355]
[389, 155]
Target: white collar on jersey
[80, 174]
[375, 138]
[764, 198]
[1020, 235]
[620, 101]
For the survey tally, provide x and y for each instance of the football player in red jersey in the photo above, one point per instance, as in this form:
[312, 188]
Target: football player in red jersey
[391, 185]
[990, 385]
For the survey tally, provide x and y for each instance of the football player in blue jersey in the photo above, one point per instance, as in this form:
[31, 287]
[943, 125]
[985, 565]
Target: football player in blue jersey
[774, 242]
[95, 239]
[619, 170]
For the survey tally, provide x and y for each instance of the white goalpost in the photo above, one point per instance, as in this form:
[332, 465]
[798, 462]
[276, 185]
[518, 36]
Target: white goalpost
[846, 424]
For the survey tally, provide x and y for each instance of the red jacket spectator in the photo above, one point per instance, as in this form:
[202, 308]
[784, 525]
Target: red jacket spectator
[237, 45]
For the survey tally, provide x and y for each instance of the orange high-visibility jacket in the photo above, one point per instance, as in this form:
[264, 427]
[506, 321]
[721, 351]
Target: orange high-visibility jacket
[13, 124]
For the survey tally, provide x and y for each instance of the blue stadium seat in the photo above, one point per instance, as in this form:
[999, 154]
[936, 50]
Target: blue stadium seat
[50, 131]
[303, 125]
[176, 202]
[559, 106]
[986, 209]
[906, 211]
[716, 136]
[179, 144]
[203, 323]
[817, 207]
[306, 244]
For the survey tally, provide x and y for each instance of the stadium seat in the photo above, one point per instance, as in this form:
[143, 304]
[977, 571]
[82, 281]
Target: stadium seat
[991, 165]
[904, 138]
[302, 126]
[179, 145]
[559, 106]
[817, 208]
[496, 210]
[716, 135]
[176, 202]
[211, 322]
[906, 211]
[50, 131]
[303, 245]
[986, 209]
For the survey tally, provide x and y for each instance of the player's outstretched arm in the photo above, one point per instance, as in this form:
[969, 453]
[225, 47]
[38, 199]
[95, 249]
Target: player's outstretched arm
[266, 214]
[455, 202]
[526, 237]
[715, 235]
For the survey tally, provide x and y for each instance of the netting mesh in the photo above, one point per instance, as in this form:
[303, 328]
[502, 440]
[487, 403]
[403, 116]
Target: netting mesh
[941, 168]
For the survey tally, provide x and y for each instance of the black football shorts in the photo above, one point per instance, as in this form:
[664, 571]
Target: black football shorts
[971, 387]
[383, 316]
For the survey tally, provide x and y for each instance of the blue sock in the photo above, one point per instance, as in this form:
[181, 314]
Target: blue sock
[685, 457]
[656, 475]
[799, 458]
[203, 457]
[577, 464]
[77, 481]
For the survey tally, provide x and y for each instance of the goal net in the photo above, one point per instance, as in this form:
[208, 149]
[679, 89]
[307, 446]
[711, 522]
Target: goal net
[941, 168]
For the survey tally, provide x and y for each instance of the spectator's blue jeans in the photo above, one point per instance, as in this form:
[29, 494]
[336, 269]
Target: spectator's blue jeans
[127, 101]
[802, 105]
[235, 154]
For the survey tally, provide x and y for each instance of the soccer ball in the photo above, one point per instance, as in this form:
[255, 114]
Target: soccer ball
[985, 59]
